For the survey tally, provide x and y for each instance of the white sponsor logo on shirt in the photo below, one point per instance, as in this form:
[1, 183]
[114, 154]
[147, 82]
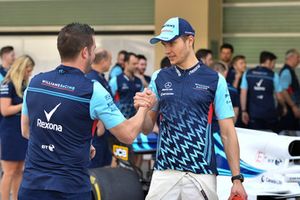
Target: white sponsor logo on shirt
[258, 86]
[48, 125]
[49, 147]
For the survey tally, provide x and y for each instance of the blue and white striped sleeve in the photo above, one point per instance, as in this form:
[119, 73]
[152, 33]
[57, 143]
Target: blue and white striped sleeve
[102, 107]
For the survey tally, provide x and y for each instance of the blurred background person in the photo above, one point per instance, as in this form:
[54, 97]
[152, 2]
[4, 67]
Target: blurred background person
[233, 92]
[125, 86]
[123, 89]
[206, 56]
[7, 55]
[226, 53]
[235, 72]
[13, 145]
[165, 62]
[258, 88]
[118, 68]
[101, 64]
[291, 90]
[140, 73]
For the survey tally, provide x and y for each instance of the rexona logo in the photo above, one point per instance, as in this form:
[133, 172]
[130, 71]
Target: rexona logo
[48, 125]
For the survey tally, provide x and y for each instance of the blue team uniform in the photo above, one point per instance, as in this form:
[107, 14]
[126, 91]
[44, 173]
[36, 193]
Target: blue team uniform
[261, 83]
[62, 106]
[115, 71]
[123, 90]
[235, 100]
[103, 155]
[187, 100]
[290, 82]
[13, 145]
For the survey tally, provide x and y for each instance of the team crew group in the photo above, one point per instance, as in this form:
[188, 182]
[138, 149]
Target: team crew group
[261, 100]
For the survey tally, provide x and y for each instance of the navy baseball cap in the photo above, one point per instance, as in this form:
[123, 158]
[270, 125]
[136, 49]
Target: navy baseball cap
[172, 29]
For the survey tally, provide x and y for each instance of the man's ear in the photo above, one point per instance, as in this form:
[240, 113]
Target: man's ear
[191, 40]
[85, 53]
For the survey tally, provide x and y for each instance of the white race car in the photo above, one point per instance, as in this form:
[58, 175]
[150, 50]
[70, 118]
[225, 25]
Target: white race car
[269, 162]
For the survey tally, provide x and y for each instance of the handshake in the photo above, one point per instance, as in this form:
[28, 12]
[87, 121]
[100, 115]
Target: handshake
[146, 99]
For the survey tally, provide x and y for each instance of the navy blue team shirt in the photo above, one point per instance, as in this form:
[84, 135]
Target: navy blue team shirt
[261, 83]
[62, 105]
[186, 102]
[123, 90]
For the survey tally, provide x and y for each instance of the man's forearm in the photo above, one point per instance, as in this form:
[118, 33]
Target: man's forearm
[243, 100]
[128, 130]
[287, 98]
[231, 147]
[149, 122]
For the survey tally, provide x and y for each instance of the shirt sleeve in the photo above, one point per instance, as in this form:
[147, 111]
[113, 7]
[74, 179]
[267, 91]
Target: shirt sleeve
[244, 84]
[222, 102]
[113, 85]
[24, 105]
[285, 79]
[6, 90]
[103, 108]
[116, 71]
[277, 85]
[1, 78]
[152, 87]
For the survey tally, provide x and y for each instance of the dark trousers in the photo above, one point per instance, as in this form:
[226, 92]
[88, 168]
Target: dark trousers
[262, 124]
[289, 122]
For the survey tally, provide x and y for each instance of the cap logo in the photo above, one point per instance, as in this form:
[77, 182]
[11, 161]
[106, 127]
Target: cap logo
[166, 30]
[169, 25]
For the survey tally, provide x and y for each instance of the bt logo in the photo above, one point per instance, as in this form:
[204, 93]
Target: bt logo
[49, 147]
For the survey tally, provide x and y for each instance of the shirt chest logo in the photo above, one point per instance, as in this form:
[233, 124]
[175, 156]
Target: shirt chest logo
[198, 86]
[124, 86]
[167, 90]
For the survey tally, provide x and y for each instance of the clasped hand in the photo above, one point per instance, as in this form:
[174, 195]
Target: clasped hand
[145, 99]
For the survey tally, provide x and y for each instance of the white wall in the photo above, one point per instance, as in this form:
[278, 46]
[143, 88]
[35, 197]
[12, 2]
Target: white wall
[44, 52]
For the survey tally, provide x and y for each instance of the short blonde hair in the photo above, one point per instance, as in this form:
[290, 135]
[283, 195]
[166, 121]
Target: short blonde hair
[17, 71]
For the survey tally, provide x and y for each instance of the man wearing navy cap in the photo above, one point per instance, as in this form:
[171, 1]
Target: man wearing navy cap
[188, 93]
[61, 108]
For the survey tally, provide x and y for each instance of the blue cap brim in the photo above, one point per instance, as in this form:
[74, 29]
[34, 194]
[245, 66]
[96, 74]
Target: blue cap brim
[159, 39]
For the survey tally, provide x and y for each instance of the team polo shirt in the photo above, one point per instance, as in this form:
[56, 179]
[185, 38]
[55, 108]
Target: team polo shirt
[261, 83]
[123, 90]
[115, 71]
[186, 102]
[289, 82]
[62, 105]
